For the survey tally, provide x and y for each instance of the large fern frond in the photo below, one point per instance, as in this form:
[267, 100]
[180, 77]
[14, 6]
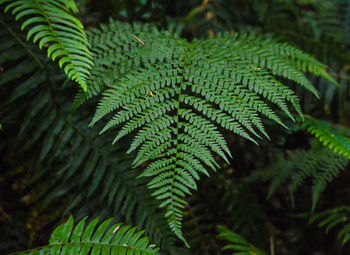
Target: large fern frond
[97, 239]
[175, 93]
[52, 25]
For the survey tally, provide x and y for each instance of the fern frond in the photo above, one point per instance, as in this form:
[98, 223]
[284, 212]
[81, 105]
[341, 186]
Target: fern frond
[52, 25]
[230, 81]
[328, 136]
[97, 239]
[320, 164]
[238, 244]
[332, 218]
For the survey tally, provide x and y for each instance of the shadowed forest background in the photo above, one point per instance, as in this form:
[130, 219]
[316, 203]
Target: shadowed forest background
[287, 195]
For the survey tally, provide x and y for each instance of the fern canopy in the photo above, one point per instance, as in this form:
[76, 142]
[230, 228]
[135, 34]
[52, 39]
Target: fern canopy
[52, 25]
[175, 94]
[104, 238]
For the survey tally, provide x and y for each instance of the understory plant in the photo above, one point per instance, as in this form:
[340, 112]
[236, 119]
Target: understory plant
[155, 111]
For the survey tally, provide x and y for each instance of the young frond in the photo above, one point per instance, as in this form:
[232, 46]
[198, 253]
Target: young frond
[238, 245]
[329, 136]
[175, 94]
[51, 24]
[103, 238]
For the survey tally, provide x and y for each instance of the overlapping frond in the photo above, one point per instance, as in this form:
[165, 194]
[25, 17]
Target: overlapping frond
[87, 170]
[110, 48]
[334, 218]
[175, 94]
[93, 238]
[233, 201]
[237, 244]
[51, 24]
[329, 136]
[319, 163]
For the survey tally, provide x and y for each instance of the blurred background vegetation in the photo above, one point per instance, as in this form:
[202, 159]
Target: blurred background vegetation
[268, 194]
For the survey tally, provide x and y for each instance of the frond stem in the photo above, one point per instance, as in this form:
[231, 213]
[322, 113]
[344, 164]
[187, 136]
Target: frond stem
[178, 132]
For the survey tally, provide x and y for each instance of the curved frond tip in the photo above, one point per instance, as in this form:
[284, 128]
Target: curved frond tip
[328, 135]
[51, 25]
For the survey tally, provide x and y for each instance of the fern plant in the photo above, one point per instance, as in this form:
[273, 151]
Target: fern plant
[176, 96]
[95, 239]
[52, 25]
[235, 206]
[176, 93]
[317, 27]
[238, 244]
[319, 163]
[88, 170]
[332, 218]
[329, 136]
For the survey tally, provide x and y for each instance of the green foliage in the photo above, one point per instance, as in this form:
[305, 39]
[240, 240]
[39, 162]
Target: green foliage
[235, 204]
[98, 239]
[83, 163]
[332, 218]
[176, 99]
[329, 136]
[175, 92]
[238, 244]
[318, 27]
[319, 163]
[53, 27]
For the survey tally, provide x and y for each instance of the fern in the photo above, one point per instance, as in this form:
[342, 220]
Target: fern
[332, 218]
[329, 136]
[320, 164]
[111, 47]
[235, 205]
[53, 27]
[238, 244]
[87, 169]
[175, 92]
[97, 239]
